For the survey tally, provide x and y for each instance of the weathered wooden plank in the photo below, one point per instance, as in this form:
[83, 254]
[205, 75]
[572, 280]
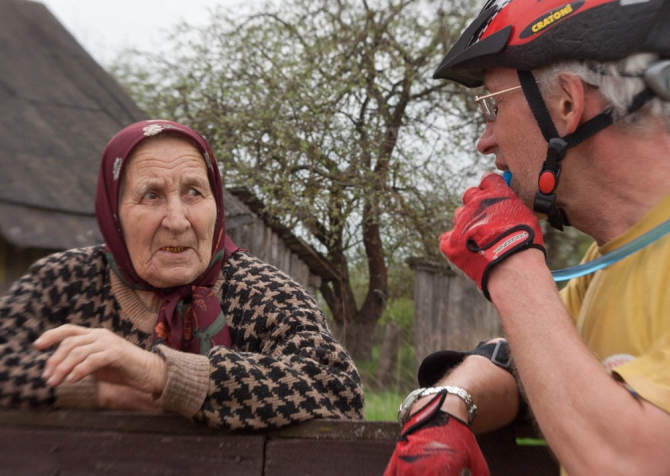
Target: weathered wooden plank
[340, 430]
[237, 235]
[62, 452]
[60, 442]
[14, 262]
[285, 257]
[175, 424]
[287, 457]
[449, 313]
[505, 457]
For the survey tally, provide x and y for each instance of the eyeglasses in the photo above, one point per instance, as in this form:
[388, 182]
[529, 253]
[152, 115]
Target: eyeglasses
[488, 105]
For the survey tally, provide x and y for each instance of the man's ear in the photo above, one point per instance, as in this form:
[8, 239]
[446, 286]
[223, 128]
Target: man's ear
[569, 103]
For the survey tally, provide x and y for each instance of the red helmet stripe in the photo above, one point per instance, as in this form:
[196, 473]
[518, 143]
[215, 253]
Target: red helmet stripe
[530, 20]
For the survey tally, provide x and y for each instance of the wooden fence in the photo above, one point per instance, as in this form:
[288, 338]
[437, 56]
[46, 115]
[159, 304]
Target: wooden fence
[266, 245]
[266, 238]
[449, 311]
[110, 443]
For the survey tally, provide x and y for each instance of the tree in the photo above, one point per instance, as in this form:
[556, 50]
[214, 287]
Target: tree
[327, 110]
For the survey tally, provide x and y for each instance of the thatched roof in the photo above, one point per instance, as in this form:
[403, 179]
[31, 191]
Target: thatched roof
[58, 109]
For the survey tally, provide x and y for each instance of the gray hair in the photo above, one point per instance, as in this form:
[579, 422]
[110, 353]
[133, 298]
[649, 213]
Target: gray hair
[618, 83]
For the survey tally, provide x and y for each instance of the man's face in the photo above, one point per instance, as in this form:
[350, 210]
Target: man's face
[514, 137]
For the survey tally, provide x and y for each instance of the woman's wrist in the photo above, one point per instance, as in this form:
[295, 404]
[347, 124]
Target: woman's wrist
[159, 375]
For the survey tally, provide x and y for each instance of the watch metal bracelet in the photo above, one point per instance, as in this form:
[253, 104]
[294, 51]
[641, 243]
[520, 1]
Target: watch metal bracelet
[406, 405]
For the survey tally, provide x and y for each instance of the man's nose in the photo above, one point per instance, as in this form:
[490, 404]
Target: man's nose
[487, 142]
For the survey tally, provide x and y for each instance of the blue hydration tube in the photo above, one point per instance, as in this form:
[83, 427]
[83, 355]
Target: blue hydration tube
[610, 258]
[507, 175]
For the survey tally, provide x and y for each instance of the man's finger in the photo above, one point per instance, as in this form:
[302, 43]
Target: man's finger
[470, 194]
[444, 240]
[456, 216]
[491, 180]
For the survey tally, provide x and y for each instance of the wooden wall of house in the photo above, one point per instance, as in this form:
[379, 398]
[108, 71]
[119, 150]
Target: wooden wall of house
[265, 244]
[449, 312]
[14, 262]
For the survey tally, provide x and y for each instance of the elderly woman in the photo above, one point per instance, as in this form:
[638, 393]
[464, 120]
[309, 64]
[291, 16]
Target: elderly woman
[169, 314]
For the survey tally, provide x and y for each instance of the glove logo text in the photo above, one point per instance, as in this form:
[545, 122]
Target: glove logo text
[507, 243]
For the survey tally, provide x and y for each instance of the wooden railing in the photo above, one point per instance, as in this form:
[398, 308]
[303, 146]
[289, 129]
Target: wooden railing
[110, 443]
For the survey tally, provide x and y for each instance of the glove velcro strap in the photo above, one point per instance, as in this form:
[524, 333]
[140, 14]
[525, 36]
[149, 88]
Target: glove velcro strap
[438, 364]
[512, 241]
[424, 416]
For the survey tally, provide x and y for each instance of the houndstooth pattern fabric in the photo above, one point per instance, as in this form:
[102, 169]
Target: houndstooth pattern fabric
[284, 365]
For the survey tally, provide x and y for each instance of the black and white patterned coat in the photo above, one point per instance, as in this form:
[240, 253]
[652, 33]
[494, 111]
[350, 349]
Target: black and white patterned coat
[284, 365]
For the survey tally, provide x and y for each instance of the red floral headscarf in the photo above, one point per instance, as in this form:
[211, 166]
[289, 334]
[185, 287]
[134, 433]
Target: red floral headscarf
[204, 325]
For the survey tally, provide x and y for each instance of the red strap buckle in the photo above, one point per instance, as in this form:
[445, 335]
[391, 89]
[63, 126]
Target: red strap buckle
[547, 182]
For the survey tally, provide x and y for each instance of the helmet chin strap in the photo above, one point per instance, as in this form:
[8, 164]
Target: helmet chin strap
[545, 197]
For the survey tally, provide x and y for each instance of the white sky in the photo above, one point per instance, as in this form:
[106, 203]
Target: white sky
[104, 27]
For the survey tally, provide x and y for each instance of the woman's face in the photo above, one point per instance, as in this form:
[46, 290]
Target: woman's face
[167, 212]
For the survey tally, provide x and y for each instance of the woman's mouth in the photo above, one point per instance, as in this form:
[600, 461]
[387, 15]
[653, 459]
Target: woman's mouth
[173, 249]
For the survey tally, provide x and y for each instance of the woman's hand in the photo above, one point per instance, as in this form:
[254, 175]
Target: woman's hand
[103, 355]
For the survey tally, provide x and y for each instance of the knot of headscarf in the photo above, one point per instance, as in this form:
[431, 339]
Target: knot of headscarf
[190, 317]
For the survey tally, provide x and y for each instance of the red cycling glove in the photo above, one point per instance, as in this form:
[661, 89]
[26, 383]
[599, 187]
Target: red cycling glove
[434, 443]
[492, 224]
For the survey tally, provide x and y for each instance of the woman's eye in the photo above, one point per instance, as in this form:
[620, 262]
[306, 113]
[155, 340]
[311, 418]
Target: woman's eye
[150, 196]
[193, 192]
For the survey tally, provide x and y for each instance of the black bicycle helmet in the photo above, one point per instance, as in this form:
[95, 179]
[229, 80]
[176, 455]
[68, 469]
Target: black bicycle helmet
[528, 34]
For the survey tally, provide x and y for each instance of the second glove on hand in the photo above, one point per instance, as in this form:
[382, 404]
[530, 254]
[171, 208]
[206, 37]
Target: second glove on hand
[436, 443]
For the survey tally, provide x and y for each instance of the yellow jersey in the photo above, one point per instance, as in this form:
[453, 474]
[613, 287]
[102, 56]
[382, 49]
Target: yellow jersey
[623, 311]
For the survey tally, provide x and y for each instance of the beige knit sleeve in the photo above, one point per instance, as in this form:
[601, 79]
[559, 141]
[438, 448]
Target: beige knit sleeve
[76, 395]
[187, 381]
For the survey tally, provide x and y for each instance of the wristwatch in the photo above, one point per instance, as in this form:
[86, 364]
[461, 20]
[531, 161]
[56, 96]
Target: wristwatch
[406, 405]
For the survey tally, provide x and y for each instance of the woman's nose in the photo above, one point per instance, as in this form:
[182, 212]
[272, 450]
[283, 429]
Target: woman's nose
[487, 142]
[175, 218]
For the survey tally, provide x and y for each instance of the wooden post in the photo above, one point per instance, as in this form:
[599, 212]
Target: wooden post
[449, 311]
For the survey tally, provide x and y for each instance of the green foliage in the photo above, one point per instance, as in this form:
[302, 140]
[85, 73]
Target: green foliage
[319, 106]
[400, 311]
[401, 281]
[565, 249]
[404, 374]
[406, 369]
[383, 405]
[368, 367]
[327, 110]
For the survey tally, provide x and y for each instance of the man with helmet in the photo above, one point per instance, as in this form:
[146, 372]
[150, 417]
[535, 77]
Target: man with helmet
[578, 111]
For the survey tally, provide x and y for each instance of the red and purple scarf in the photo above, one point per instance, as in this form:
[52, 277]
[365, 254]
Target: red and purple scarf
[204, 325]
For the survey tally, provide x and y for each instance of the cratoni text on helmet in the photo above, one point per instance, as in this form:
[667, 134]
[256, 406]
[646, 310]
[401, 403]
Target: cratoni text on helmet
[563, 12]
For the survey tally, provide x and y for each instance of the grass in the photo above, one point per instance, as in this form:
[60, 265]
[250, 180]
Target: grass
[383, 405]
